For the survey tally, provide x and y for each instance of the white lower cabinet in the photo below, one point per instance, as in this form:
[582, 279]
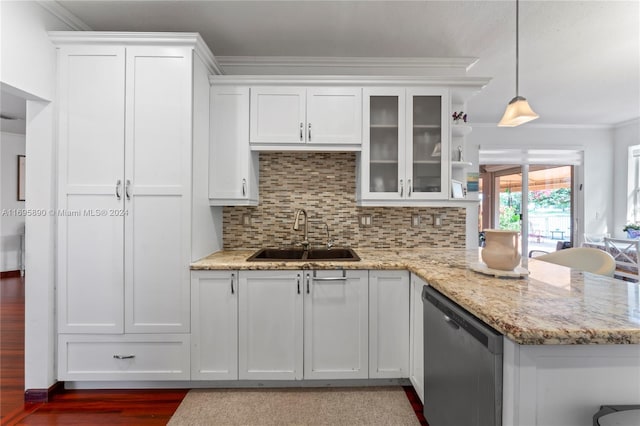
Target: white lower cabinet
[291, 319]
[270, 325]
[336, 324]
[416, 357]
[388, 324]
[214, 330]
[123, 357]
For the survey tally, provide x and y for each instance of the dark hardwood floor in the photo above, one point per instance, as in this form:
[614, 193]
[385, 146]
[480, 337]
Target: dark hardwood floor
[79, 407]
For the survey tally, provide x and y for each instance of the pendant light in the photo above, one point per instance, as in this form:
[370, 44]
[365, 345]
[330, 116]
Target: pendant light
[518, 111]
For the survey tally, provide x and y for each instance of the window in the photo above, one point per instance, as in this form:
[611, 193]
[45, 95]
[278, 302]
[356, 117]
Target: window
[634, 184]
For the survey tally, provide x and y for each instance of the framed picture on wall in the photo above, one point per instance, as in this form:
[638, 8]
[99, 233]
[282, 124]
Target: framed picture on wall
[22, 162]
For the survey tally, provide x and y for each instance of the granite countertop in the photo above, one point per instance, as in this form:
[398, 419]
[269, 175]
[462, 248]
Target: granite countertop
[554, 305]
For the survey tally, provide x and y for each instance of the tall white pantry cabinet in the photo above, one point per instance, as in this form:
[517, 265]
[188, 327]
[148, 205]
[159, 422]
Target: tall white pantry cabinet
[133, 130]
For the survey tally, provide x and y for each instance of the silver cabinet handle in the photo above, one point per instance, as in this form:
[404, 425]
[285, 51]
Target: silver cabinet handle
[118, 195]
[401, 188]
[308, 282]
[342, 278]
[330, 279]
[124, 356]
[244, 187]
[309, 132]
[298, 283]
[301, 128]
[409, 188]
[233, 277]
[126, 189]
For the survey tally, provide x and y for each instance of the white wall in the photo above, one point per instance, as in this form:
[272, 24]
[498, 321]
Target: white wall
[598, 161]
[624, 136]
[11, 226]
[28, 65]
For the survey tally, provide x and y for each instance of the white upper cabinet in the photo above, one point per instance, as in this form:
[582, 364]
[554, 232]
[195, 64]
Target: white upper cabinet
[278, 115]
[405, 151]
[334, 115]
[233, 167]
[322, 116]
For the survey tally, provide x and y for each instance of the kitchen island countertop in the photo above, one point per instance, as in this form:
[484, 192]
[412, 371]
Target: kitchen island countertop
[554, 305]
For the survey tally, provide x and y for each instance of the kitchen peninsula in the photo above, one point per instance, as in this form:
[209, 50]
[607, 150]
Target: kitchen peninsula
[572, 339]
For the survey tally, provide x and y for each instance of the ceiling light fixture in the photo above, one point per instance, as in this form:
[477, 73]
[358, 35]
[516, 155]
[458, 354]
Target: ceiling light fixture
[518, 111]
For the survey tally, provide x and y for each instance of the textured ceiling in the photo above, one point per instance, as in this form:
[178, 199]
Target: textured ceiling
[579, 60]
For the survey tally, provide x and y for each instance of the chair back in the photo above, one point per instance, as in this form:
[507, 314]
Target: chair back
[583, 258]
[626, 254]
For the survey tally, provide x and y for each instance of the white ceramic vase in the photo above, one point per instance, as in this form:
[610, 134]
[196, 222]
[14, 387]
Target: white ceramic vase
[501, 249]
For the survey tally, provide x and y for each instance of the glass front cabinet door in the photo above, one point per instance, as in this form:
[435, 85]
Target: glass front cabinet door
[405, 154]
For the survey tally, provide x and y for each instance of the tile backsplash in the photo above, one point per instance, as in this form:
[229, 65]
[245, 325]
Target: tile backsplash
[324, 184]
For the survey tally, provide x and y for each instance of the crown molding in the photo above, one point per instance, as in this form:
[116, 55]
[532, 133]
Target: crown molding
[147, 38]
[57, 10]
[630, 122]
[345, 65]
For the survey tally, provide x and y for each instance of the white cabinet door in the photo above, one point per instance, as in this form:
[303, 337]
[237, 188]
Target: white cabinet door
[233, 168]
[336, 325]
[157, 189]
[382, 159]
[406, 147]
[270, 325]
[416, 360]
[278, 115]
[427, 147]
[388, 324]
[214, 325]
[91, 160]
[334, 115]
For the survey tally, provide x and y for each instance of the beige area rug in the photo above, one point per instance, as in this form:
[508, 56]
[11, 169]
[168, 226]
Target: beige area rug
[325, 406]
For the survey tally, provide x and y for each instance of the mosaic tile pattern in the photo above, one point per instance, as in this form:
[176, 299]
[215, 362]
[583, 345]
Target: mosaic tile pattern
[324, 184]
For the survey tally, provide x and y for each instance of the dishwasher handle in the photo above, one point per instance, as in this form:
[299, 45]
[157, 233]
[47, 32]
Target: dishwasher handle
[456, 316]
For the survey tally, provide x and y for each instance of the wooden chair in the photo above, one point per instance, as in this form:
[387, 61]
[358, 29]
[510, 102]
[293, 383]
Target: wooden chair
[626, 254]
[583, 258]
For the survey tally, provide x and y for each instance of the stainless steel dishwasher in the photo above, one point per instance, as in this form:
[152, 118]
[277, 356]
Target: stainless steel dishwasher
[462, 366]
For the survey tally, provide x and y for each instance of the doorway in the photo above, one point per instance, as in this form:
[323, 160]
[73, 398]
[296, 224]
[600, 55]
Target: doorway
[546, 216]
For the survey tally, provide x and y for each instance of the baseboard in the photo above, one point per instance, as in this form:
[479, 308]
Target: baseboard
[43, 395]
[10, 274]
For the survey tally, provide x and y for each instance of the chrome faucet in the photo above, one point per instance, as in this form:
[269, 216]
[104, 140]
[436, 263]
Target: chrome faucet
[329, 240]
[296, 227]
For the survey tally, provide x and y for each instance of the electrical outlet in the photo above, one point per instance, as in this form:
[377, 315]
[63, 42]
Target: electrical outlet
[246, 220]
[437, 220]
[428, 219]
[415, 220]
[365, 220]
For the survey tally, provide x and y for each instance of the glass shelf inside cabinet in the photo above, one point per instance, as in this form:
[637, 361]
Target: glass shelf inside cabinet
[383, 144]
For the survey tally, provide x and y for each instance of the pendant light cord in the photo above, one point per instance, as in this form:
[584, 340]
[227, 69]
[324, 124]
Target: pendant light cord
[517, 48]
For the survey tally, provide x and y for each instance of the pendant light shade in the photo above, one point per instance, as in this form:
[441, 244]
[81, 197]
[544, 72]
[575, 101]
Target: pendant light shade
[518, 111]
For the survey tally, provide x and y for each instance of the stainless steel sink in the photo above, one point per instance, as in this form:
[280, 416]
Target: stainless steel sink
[297, 255]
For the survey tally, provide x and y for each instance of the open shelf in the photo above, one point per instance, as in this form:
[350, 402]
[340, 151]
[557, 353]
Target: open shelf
[460, 129]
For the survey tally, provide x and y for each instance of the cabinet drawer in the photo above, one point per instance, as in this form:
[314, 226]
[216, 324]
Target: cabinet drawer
[124, 357]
